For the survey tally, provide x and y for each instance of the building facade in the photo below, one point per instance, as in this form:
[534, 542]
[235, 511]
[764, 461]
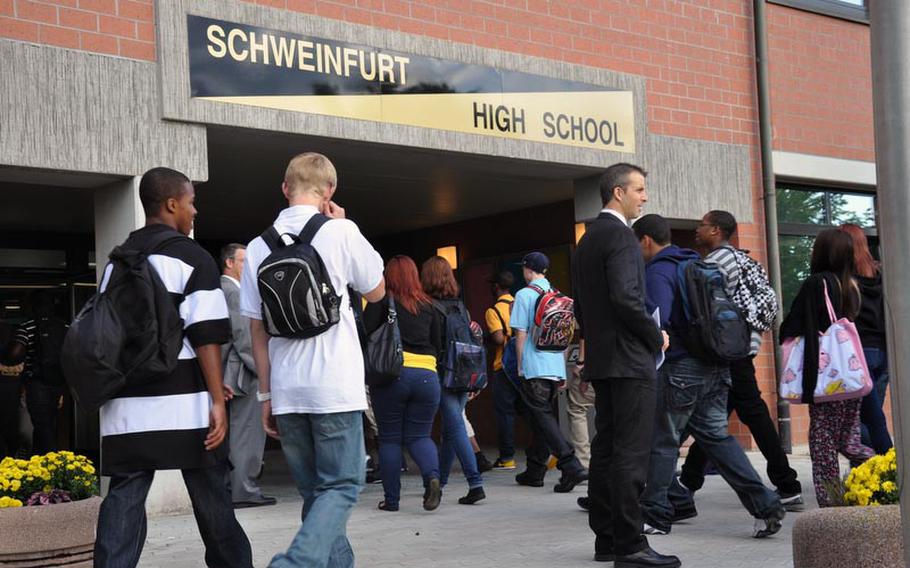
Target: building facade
[474, 124]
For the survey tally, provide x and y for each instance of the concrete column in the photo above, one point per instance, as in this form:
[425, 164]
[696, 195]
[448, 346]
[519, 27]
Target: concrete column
[890, 34]
[118, 211]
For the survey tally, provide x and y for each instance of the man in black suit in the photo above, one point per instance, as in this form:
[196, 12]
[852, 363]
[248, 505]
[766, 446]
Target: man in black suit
[622, 342]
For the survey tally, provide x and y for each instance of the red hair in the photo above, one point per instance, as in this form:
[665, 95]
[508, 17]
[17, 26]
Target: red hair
[438, 279]
[862, 258]
[403, 283]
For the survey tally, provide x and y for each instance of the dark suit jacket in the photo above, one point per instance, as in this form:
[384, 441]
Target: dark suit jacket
[608, 274]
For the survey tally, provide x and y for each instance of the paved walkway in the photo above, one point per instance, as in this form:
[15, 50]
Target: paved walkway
[515, 527]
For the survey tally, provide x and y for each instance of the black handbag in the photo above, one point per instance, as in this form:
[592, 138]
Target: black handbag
[384, 354]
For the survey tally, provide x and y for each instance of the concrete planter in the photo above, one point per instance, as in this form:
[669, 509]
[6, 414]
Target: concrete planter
[849, 537]
[50, 535]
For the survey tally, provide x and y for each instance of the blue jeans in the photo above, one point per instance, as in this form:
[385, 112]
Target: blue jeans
[325, 455]
[692, 396]
[455, 439]
[404, 413]
[507, 402]
[874, 425]
[122, 522]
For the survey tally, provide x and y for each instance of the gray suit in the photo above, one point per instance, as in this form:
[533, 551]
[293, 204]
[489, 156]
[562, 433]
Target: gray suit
[247, 437]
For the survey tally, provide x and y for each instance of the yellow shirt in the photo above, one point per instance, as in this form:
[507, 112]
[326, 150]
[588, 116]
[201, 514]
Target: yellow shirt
[494, 323]
[416, 361]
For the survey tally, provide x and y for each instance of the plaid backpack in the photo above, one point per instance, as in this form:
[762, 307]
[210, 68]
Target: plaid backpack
[754, 294]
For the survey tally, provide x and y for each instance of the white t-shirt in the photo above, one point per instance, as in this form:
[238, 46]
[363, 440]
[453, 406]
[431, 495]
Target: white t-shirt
[321, 374]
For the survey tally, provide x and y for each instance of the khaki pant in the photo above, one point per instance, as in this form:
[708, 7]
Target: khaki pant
[577, 406]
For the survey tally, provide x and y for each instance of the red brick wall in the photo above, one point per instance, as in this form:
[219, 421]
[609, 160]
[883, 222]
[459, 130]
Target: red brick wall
[821, 84]
[114, 27]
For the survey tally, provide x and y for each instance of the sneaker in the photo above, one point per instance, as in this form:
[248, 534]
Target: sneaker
[569, 480]
[649, 530]
[473, 496]
[374, 477]
[483, 464]
[432, 495]
[504, 465]
[770, 525]
[681, 514]
[792, 503]
[584, 503]
[529, 479]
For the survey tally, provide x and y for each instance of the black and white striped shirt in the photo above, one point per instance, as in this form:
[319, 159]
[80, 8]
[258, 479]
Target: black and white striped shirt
[163, 425]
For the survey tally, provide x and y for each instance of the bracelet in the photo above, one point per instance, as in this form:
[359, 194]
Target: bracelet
[263, 396]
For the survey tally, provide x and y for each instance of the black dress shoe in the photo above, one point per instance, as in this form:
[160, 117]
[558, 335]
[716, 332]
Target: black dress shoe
[262, 502]
[569, 480]
[584, 503]
[647, 558]
[604, 557]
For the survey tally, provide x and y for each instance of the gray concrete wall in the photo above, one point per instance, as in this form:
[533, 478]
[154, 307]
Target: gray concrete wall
[81, 112]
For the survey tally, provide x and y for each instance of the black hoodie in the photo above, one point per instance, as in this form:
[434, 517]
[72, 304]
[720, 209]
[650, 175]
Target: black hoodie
[871, 319]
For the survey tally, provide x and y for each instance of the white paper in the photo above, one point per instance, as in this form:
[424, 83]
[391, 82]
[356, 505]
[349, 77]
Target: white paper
[656, 317]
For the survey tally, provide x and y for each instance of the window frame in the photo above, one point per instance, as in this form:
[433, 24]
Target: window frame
[813, 229]
[833, 8]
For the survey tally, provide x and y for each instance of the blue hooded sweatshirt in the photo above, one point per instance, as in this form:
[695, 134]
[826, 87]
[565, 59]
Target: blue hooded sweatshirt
[662, 290]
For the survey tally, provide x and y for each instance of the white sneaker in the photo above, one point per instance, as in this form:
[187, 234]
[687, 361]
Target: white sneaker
[648, 529]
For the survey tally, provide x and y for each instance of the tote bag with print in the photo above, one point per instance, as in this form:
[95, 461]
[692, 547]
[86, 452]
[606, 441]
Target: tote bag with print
[842, 370]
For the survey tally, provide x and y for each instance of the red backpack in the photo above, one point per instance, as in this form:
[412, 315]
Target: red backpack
[554, 320]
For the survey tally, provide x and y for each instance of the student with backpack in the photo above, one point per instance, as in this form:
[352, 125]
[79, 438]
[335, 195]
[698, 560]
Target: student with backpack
[834, 427]
[692, 387]
[506, 397]
[405, 406]
[38, 343]
[308, 356]
[462, 370]
[175, 419]
[540, 347]
[748, 286]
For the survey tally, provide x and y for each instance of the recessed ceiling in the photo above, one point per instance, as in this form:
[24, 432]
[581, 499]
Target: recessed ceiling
[385, 189]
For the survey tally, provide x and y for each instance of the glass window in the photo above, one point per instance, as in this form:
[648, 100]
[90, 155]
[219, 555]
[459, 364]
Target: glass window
[855, 10]
[852, 208]
[795, 253]
[804, 211]
[802, 207]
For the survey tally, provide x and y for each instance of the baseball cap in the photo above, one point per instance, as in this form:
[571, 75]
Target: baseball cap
[536, 261]
[504, 279]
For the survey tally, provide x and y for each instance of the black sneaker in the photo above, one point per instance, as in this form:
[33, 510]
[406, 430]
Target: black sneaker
[791, 502]
[483, 464]
[569, 480]
[584, 503]
[474, 495]
[529, 479]
[683, 513]
[769, 525]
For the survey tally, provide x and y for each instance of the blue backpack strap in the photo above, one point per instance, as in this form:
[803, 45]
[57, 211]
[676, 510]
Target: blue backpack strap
[312, 227]
[684, 287]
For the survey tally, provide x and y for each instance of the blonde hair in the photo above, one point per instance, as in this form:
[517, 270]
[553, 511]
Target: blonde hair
[310, 172]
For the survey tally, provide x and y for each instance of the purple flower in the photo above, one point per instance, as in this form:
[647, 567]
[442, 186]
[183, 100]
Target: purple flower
[48, 498]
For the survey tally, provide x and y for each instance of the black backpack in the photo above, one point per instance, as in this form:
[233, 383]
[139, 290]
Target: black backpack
[717, 330]
[128, 335]
[50, 333]
[298, 298]
[464, 360]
